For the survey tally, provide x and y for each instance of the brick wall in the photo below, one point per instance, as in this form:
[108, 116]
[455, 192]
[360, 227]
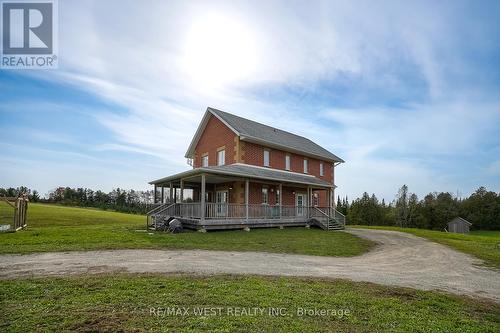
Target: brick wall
[237, 193]
[216, 135]
[254, 154]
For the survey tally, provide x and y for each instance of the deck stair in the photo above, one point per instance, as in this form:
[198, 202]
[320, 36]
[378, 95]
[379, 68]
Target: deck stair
[333, 224]
[329, 221]
[159, 217]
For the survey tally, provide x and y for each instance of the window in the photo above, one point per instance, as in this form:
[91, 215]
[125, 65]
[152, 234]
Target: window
[221, 157]
[204, 161]
[305, 165]
[315, 199]
[266, 157]
[277, 197]
[265, 196]
[321, 169]
[287, 162]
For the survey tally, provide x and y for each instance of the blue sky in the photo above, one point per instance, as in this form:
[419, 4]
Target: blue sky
[405, 92]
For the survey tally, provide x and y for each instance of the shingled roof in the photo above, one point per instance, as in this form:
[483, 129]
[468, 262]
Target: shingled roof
[249, 171]
[252, 131]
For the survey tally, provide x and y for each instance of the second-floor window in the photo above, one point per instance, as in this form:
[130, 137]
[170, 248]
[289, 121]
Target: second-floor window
[321, 169]
[305, 166]
[287, 162]
[204, 161]
[221, 157]
[266, 157]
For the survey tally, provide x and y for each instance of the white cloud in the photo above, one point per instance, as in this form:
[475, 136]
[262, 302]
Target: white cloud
[133, 54]
[438, 128]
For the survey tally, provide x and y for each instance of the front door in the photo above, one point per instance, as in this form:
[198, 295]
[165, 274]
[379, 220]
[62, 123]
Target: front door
[221, 200]
[300, 203]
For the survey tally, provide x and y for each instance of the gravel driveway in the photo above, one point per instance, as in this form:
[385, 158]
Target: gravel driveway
[401, 260]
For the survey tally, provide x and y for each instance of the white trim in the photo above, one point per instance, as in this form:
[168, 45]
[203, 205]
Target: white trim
[265, 188]
[268, 160]
[304, 203]
[203, 157]
[221, 162]
[288, 162]
[223, 121]
[201, 129]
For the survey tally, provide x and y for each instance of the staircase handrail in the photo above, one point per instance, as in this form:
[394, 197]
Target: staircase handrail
[322, 212]
[340, 220]
[160, 207]
[168, 206]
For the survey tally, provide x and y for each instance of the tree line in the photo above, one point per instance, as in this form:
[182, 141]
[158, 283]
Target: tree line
[127, 201]
[434, 211]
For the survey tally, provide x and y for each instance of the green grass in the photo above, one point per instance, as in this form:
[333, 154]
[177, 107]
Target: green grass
[59, 228]
[123, 304]
[6, 213]
[481, 244]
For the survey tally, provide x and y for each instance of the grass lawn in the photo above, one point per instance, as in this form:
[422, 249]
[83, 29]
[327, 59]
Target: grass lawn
[6, 213]
[59, 228]
[124, 304]
[481, 244]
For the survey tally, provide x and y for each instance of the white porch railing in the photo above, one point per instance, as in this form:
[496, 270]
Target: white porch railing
[221, 211]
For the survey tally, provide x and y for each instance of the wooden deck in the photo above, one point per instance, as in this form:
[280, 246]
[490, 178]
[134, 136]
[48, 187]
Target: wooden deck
[238, 216]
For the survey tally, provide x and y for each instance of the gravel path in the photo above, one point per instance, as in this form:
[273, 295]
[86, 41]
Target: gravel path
[401, 260]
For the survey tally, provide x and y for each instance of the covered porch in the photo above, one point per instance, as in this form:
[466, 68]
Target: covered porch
[240, 196]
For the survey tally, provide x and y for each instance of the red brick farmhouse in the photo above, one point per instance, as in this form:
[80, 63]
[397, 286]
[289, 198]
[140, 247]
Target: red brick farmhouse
[246, 175]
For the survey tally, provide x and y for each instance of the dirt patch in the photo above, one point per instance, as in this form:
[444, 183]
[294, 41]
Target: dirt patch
[399, 259]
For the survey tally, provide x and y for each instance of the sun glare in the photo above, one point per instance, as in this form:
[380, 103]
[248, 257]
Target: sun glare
[220, 50]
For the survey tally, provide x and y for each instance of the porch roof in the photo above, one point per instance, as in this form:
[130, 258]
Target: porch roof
[248, 171]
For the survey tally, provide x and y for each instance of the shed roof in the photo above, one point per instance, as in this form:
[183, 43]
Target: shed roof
[460, 220]
[252, 131]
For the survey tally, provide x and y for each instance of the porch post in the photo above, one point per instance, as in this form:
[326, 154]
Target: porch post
[202, 201]
[182, 190]
[334, 205]
[328, 199]
[332, 199]
[309, 201]
[162, 194]
[281, 199]
[171, 198]
[155, 200]
[247, 188]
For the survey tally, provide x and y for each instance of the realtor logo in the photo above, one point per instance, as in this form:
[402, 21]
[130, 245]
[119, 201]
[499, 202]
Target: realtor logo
[29, 34]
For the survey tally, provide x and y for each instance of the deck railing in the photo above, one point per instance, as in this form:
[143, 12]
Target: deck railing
[238, 212]
[221, 211]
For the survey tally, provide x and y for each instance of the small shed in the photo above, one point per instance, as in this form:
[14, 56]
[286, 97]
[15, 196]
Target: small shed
[459, 225]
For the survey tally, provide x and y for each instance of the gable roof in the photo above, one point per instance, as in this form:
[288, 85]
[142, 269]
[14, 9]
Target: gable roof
[252, 131]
